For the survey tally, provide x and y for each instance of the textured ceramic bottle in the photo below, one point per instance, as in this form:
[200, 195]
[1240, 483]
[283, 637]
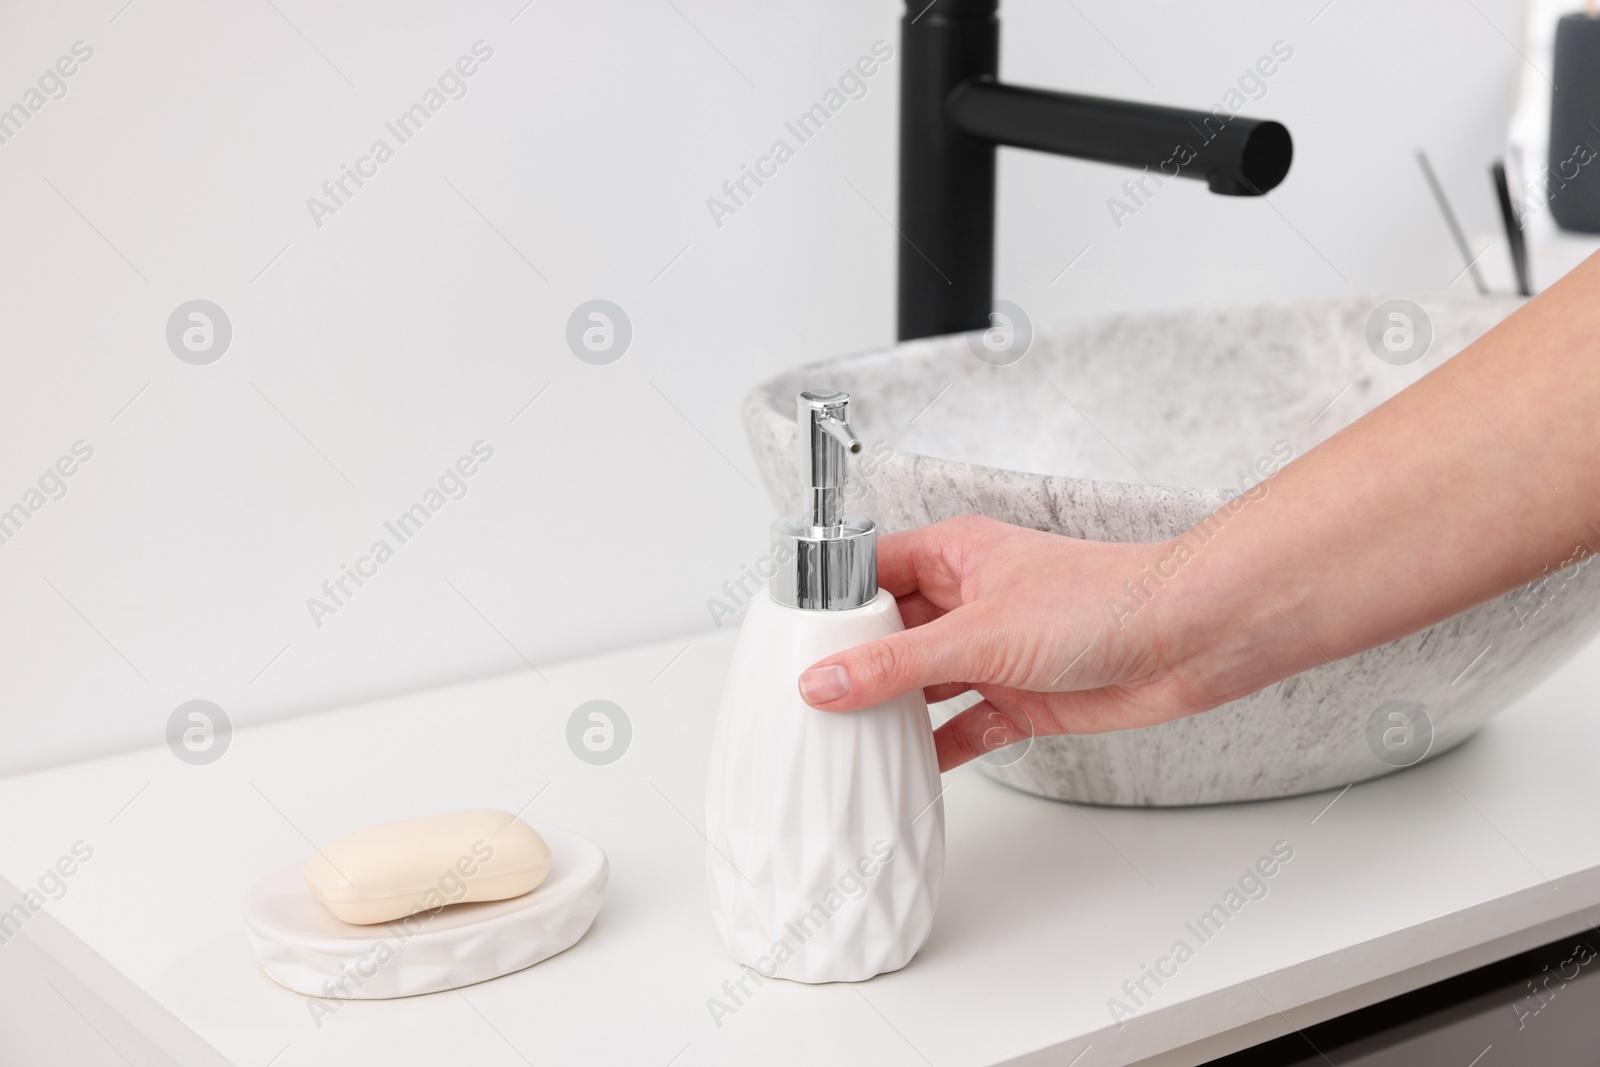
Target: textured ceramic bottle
[825, 829]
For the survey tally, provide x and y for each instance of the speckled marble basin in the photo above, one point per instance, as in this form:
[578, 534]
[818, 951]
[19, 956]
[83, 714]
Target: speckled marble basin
[1132, 427]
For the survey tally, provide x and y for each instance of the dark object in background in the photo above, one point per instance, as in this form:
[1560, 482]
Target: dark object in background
[1452, 223]
[1514, 236]
[953, 115]
[1575, 125]
[1536, 1008]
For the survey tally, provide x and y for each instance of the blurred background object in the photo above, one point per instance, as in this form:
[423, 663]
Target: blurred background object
[1574, 107]
[1551, 250]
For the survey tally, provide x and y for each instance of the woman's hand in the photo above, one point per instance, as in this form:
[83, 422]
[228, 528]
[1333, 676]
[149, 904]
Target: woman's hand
[1026, 619]
[1475, 480]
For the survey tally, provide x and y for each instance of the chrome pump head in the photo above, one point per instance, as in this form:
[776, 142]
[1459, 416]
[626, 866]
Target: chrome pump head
[829, 560]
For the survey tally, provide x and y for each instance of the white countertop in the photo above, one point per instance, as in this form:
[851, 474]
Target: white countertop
[1047, 908]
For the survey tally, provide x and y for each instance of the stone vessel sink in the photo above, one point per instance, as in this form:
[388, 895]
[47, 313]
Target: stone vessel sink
[1133, 427]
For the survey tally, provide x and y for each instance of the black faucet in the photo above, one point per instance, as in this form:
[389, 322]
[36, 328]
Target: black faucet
[954, 112]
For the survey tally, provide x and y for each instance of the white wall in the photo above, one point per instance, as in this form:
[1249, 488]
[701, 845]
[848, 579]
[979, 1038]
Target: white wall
[379, 347]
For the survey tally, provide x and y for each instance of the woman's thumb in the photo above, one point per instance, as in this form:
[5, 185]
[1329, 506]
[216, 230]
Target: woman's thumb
[941, 651]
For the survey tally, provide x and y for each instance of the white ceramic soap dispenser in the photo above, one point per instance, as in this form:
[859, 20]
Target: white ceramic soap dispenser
[825, 829]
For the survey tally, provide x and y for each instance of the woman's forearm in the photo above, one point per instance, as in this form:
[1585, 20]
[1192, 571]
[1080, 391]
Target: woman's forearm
[1464, 486]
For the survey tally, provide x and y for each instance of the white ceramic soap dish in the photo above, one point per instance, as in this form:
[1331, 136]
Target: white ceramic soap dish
[301, 946]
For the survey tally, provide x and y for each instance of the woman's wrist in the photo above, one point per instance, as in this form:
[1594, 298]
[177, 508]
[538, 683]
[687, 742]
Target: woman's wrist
[1224, 635]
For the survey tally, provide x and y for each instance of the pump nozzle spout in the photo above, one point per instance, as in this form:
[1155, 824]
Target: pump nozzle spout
[841, 432]
[831, 557]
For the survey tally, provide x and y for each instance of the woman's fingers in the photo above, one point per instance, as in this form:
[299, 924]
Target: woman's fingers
[902, 557]
[917, 610]
[950, 647]
[1006, 716]
[934, 559]
[991, 724]
[946, 691]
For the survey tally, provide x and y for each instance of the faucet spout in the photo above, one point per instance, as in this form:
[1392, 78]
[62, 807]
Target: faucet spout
[955, 112]
[1234, 155]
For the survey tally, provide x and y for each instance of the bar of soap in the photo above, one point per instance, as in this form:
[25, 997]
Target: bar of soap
[397, 869]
